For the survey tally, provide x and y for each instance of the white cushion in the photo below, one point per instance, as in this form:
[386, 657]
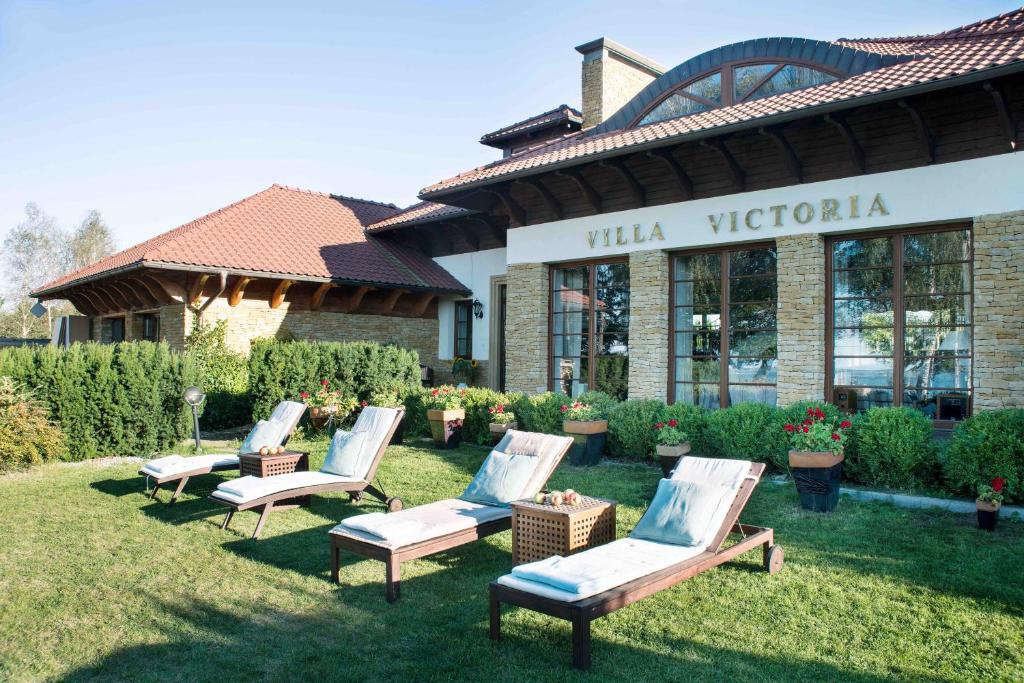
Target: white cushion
[682, 513]
[245, 489]
[545, 446]
[421, 523]
[288, 413]
[265, 433]
[375, 422]
[502, 478]
[176, 464]
[345, 453]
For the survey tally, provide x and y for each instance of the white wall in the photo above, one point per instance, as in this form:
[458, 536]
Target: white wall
[474, 270]
[931, 194]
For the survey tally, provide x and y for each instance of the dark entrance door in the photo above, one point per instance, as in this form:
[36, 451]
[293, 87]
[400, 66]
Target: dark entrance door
[502, 291]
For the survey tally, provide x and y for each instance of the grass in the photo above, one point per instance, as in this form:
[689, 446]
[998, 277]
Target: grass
[98, 582]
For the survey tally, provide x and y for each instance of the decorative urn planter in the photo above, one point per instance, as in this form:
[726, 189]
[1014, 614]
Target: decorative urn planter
[446, 427]
[988, 514]
[817, 476]
[589, 437]
[498, 430]
[319, 415]
[668, 456]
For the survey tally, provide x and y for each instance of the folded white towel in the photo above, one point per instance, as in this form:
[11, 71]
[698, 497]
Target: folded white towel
[166, 464]
[420, 523]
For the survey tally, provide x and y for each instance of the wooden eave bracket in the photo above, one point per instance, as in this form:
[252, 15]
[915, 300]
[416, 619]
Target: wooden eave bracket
[238, 290]
[278, 296]
[1003, 111]
[678, 172]
[554, 206]
[586, 189]
[196, 289]
[924, 136]
[355, 299]
[735, 172]
[852, 145]
[515, 212]
[636, 190]
[788, 155]
[317, 300]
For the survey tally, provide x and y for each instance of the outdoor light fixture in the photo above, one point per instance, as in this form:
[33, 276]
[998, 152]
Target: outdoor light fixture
[478, 309]
[194, 396]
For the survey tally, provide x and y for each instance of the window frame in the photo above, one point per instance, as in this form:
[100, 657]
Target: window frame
[468, 305]
[724, 301]
[155, 318]
[899, 309]
[119, 319]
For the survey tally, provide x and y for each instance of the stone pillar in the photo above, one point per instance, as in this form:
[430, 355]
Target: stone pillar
[649, 320]
[612, 76]
[999, 311]
[526, 328]
[801, 321]
[174, 325]
[130, 322]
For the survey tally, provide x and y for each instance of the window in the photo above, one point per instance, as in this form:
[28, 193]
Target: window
[150, 327]
[723, 327]
[464, 329]
[733, 85]
[590, 328]
[116, 330]
[900, 322]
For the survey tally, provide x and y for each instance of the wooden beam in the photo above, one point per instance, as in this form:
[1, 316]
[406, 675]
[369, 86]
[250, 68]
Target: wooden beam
[472, 239]
[554, 206]
[443, 240]
[356, 299]
[589, 194]
[388, 305]
[499, 234]
[421, 241]
[98, 304]
[175, 292]
[636, 190]
[515, 212]
[155, 291]
[195, 290]
[421, 304]
[856, 152]
[1003, 111]
[924, 136]
[682, 178]
[141, 293]
[317, 300]
[735, 172]
[127, 293]
[278, 296]
[776, 135]
[82, 303]
[238, 290]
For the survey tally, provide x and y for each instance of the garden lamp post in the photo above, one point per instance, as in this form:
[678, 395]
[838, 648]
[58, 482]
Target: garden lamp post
[194, 396]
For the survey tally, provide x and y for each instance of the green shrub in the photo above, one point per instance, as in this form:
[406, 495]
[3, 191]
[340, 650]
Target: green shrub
[415, 419]
[693, 421]
[891, 447]
[27, 437]
[476, 401]
[223, 376]
[279, 370]
[796, 413]
[122, 399]
[601, 402]
[539, 413]
[631, 428]
[988, 445]
[748, 431]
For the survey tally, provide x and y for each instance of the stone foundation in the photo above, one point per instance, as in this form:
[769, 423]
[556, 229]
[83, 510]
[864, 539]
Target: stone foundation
[648, 324]
[801, 318]
[526, 328]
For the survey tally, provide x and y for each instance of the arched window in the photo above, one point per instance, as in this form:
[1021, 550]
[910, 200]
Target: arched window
[732, 85]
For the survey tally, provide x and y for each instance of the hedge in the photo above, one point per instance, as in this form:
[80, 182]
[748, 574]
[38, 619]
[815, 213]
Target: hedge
[631, 428]
[988, 445]
[280, 370]
[748, 431]
[122, 399]
[223, 375]
[891, 447]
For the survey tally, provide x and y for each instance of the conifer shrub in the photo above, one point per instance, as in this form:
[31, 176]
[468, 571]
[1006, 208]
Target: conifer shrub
[27, 436]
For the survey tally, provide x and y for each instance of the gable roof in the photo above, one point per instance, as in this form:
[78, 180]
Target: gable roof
[421, 212]
[563, 113]
[940, 60]
[283, 232]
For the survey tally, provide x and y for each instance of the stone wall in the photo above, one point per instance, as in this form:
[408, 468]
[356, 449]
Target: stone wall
[648, 324]
[999, 311]
[609, 82]
[526, 328]
[801, 318]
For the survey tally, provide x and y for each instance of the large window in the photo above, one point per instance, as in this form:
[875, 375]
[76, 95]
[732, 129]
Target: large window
[464, 329]
[151, 327]
[723, 327]
[590, 328]
[901, 322]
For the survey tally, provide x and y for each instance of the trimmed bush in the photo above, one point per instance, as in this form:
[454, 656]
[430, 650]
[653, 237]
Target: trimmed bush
[693, 421]
[223, 376]
[602, 402]
[27, 437]
[631, 428]
[280, 370]
[122, 399]
[539, 413]
[748, 431]
[891, 447]
[476, 401]
[415, 419]
[990, 444]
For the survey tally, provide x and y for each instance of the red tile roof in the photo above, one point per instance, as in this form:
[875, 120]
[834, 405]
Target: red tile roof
[560, 114]
[983, 45]
[283, 231]
[423, 212]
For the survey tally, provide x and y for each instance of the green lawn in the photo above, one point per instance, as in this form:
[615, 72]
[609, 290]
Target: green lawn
[98, 582]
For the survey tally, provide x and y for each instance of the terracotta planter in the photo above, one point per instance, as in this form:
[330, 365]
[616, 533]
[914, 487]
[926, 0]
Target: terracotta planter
[498, 430]
[588, 441]
[319, 415]
[817, 476]
[446, 427]
[587, 427]
[668, 456]
[988, 514]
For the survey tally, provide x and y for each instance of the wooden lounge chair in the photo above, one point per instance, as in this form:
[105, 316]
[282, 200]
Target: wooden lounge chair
[183, 469]
[580, 612]
[267, 494]
[448, 523]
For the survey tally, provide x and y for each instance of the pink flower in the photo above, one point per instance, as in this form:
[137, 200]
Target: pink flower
[363, 404]
[324, 382]
[304, 394]
[673, 423]
[659, 425]
[564, 408]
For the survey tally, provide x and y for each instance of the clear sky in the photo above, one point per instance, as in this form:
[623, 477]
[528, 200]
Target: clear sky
[156, 113]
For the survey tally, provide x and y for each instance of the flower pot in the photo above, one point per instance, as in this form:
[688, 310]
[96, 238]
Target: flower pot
[498, 431]
[320, 415]
[988, 515]
[446, 427]
[588, 441]
[817, 476]
[668, 456]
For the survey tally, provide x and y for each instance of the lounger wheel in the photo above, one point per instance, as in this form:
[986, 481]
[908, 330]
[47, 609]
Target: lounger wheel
[774, 559]
[395, 504]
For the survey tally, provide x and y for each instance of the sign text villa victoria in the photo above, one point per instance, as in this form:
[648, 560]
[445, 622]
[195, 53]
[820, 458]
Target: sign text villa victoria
[776, 216]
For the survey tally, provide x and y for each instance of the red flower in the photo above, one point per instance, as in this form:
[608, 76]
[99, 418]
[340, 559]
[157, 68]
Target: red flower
[659, 425]
[997, 484]
[808, 421]
[304, 394]
[810, 411]
[324, 382]
[819, 413]
[363, 404]
[789, 428]
[836, 437]
[805, 429]
[564, 408]
[434, 393]
[673, 423]
[845, 424]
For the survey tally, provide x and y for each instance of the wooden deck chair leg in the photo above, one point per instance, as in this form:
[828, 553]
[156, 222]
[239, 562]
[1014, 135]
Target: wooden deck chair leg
[335, 563]
[177, 491]
[580, 640]
[227, 519]
[262, 520]
[392, 579]
[152, 495]
[495, 617]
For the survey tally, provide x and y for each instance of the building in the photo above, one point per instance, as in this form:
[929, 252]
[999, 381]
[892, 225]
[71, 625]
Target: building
[773, 220]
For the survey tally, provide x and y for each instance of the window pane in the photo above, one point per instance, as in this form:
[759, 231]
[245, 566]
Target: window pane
[948, 277]
[673, 107]
[704, 395]
[941, 404]
[698, 267]
[937, 341]
[751, 394]
[872, 341]
[861, 253]
[753, 370]
[571, 375]
[873, 282]
[746, 77]
[752, 344]
[938, 310]
[570, 278]
[706, 343]
[571, 300]
[697, 318]
[752, 262]
[874, 372]
[697, 370]
[863, 313]
[698, 292]
[710, 88]
[862, 398]
[762, 288]
[938, 372]
[574, 322]
[792, 77]
[937, 247]
[752, 316]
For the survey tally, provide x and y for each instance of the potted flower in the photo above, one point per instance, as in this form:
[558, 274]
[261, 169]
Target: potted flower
[464, 370]
[502, 420]
[445, 414]
[325, 404]
[990, 499]
[816, 459]
[583, 422]
[672, 444]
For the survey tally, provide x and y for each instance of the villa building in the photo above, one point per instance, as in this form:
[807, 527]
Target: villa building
[773, 220]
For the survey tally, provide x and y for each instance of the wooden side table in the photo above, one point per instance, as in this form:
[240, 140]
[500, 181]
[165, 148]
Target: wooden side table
[256, 465]
[540, 531]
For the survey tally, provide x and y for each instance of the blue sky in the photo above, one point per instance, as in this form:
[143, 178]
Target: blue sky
[156, 113]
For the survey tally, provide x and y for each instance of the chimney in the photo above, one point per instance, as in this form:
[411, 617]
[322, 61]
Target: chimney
[612, 75]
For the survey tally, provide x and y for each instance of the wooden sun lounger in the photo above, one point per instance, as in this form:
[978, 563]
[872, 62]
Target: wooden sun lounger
[355, 489]
[580, 613]
[394, 557]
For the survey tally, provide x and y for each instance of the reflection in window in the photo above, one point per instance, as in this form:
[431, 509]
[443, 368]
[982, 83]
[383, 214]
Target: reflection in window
[590, 329]
[734, 292]
[909, 347]
[463, 329]
[791, 77]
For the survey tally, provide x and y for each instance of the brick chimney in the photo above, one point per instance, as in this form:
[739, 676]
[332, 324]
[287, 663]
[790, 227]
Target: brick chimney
[612, 75]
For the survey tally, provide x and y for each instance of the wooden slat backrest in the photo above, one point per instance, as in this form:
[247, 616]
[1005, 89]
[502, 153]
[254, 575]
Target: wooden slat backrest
[738, 503]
